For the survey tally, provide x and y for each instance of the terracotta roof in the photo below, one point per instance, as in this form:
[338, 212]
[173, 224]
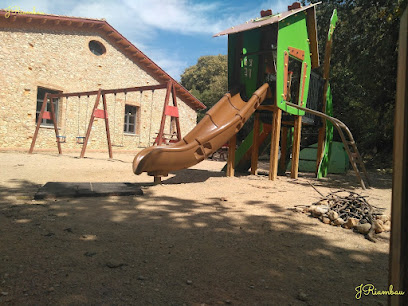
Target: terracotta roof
[113, 36]
[261, 22]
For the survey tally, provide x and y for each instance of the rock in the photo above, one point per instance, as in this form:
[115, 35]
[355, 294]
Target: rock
[378, 226]
[228, 302]
[140, 277]
[113, 264]
[332, 215]
[189, 282]
[317, 211]
[89, 254]
[302, 296]
[51, 289]
[4, 293]
[384, 218]
[350, 223]
[298, 209]
[325, 220]
[223, 199]
[339, 221]
[363, 228]
[387, 226]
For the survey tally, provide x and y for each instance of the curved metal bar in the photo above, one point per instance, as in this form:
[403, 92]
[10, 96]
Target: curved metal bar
[339, 126]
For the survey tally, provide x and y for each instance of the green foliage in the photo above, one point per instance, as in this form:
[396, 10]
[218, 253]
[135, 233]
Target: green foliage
[207, 80]
[364, 68]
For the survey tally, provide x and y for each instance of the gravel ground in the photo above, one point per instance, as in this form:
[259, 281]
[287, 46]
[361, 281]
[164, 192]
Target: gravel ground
[199, 239]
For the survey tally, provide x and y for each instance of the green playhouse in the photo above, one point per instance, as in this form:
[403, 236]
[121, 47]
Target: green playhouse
[282, 50]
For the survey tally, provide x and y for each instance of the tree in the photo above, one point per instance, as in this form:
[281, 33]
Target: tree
[364, 68]
[207, 80]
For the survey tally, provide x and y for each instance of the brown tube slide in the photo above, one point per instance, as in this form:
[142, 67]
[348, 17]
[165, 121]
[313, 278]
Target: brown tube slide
[219, 124]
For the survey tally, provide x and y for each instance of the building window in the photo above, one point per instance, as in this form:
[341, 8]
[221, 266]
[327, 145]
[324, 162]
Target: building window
[40, 98]
[130, 119]
[96, 47]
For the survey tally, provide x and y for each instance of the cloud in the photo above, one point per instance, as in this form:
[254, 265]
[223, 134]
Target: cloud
[173, 65]
[181, 16]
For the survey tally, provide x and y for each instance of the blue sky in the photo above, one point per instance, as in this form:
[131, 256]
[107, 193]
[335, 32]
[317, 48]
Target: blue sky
[173, 33]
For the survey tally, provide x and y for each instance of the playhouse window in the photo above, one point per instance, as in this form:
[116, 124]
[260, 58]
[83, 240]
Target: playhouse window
[40, 98]
[130, 119]
[294, 72]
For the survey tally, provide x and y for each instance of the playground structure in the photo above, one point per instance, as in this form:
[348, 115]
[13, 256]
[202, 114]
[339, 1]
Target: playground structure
[100, 94]
[270, 60]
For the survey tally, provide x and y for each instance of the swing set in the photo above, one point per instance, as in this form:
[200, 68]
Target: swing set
[103, 114]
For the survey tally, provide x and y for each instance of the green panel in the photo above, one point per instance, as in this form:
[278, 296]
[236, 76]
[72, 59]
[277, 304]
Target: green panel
[324, 165]
[232, 45]
[292, 33]
[249, 64]
[338, 162]
[243, 148]
[333, 21]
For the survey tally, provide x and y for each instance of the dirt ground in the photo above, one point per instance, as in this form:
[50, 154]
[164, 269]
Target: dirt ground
[198, 239]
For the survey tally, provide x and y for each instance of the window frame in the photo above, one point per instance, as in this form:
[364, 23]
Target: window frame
[99, 44]
[127, 119]
[56, 101]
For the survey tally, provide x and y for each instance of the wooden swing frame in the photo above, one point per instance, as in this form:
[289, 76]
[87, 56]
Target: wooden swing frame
[97, 113]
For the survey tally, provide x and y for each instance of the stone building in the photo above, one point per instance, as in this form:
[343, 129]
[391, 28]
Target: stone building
[49, 53]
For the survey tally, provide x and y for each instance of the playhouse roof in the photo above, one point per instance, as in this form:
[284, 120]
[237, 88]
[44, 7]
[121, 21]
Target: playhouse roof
[261, 22]
[264, 21]
[111, 35]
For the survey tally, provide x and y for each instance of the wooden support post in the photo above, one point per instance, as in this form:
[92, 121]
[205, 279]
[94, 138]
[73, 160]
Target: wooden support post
[274, 156]
[91, 120]
[255, 145]
[231, 155]
[40, 117]
[297, 131]
[157, 180]
[105, 108]
[398, 265]
[163, 120]
[54, 121]
[284, 147]
[177, 118]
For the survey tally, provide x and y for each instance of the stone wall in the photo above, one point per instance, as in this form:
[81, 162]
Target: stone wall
[37, 56]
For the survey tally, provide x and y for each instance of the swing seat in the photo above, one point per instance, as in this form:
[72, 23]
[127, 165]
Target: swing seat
[80, 139]
[61, 139]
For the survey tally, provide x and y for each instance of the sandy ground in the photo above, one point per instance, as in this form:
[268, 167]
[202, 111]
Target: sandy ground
[198, 239]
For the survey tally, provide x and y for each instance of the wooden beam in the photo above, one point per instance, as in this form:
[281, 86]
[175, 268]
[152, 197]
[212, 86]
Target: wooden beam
[44, 21]
[91, 120]
[232, 143]
[57, 22]
[69, 22]
[54, 121]
[105, 108]
[39, 120]
[13, 18]
[80, 24]
[296, 147]
[398, 267]
[274, 156]
[29, 19]
[255, 145]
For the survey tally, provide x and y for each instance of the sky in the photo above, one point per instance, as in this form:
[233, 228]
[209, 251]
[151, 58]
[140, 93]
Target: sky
[173, 33]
